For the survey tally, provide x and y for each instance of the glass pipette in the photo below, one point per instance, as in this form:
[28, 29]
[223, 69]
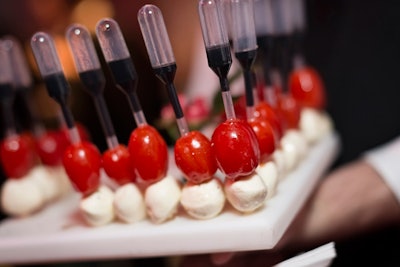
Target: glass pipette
[22, 81]
[217, 48]
[161, 56]
[119, 61]
[7, 93]
[245, 45]
[49, 65]
[88, 67]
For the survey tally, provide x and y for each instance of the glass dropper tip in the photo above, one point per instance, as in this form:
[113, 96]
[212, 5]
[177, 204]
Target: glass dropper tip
[6, 75]
[263, 19]
[155, 36]
[48, 62]
[212, 23]
[45, 53]
[161, 56]
[82, 48]
[88, 66]
[243, 27]
[119, 60]
[111, 40]
[21, 73]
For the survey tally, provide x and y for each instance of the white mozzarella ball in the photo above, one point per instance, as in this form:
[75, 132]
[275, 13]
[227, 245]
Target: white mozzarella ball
[129, 203]
[246, 194]
[269, 174]
[21, 197]
[162, 199]
[205, 200]
[98, 209]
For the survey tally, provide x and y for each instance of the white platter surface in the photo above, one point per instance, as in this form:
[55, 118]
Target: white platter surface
[57, 233]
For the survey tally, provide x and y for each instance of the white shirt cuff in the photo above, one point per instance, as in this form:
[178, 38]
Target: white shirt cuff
[385, 160]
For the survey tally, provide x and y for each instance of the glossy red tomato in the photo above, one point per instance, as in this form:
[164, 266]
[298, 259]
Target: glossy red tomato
[149, 154]
[82, 163]
[236, 148]
[117, 164]
[266, 112]
[290, 110]
[18, 155]
[307, 88]
[194, 157]
[266, 136]
[50, 147]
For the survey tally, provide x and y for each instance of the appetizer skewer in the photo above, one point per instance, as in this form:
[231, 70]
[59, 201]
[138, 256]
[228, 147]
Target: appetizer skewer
[202, 196]
[82, 160]
[17, 151]
[245, 47]
[116, 159]
[234, 142]
[148, 150]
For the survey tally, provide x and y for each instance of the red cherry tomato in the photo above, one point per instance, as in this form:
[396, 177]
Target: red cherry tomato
[290, 109]
[266, 112]
[266, 136]
[195, 158]
[50, 147]
[149, 154]
[17, 154]
[82, 163]
[236, 148]
[117, 164]
[307, 88]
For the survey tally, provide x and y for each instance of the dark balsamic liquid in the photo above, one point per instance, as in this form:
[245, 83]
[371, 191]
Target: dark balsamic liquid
[93, 81]
[6, 104]
[58, 89]
[124, 74]
[220, 60]
[126, 78]
[246, 60]
[282, 60]
[167, 74]
[6, 91]
[104, 115]
[264, 43]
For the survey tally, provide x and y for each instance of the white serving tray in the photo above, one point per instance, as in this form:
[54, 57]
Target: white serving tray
[57, 233]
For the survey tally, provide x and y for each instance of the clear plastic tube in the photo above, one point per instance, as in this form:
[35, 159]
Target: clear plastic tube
[243, 29]
[6, 92]
[283, 21]
[155, 36]
[74, 136]
[6, 76]
[111, 40]
[82, 48]
[298, 14]
[139, 117]
[212, 23]
[263, 18]
[182, 126]
[226, 10]
[22, 79]
[21, 72]
[228, 105]
[45, 53]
